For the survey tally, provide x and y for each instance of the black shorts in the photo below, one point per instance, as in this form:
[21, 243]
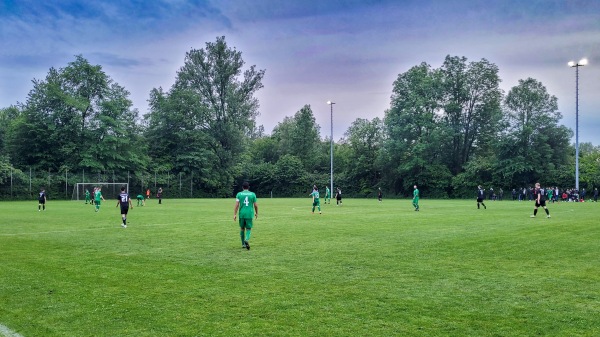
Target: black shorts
[42, 201]
[541, 203]
[124, 209]
[479, 199]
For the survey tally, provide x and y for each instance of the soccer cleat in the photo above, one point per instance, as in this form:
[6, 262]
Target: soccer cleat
[247, 245]
[123, 225]
[532, 216]
[548, 216]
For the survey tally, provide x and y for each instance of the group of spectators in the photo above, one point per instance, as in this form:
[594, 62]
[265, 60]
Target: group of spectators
[554, 194]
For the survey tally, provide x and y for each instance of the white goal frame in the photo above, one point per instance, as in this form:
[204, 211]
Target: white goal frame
[79, 189]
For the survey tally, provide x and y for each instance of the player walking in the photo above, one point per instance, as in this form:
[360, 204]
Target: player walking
[98, 197]
[125, 202]
[42, 200]
[315, 198]
[379, 195]
[415, 200]
[246, 204]
[480, 196]
[338, 197]
[540, 200]
[87, 196]
[327, 195]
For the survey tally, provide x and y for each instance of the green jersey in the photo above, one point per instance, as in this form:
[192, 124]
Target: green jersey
[327, 192]
[97, 195]
[416, 194]
[246, 200]
[315, 195]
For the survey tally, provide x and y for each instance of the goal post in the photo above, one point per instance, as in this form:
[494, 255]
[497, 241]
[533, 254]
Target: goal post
[109, 190]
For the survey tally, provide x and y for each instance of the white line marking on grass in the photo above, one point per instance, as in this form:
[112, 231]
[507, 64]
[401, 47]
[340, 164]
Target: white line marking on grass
[94, 229]
[6, 332]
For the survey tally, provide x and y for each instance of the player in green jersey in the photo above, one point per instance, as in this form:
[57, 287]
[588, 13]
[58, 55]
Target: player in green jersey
[98, 197]
[315, 198]
[87, 196]
[246, 204]
[415, 200]
[140, 200]
[327, 195]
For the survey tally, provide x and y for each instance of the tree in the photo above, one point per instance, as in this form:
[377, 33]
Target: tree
[7, 118]
[213, 108]
[533, 145]
[589, 165]
[299, 136]
[365, 139]
[414, 149]
[77, 118]
[471, 108]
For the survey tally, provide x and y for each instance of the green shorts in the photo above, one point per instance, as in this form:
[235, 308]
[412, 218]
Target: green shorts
[98, 202]
[316, 203]
[245, 223]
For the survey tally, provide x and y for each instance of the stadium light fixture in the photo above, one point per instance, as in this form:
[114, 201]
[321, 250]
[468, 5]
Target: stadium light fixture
[572, 64]
[330, 103]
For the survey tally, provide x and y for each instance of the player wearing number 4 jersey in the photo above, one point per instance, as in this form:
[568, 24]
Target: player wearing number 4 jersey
[246, 204]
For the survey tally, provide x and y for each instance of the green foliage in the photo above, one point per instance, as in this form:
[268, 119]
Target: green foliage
[208, 116]
[447, 130]
[589, 166]
[77, 118]
[533, 145]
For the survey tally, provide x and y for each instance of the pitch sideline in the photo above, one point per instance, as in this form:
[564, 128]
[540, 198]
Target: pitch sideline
[6, 332]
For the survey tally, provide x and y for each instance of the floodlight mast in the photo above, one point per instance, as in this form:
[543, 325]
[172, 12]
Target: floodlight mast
[330, 103]
[572, 64]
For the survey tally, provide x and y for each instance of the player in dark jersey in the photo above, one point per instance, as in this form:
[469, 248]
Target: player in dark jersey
[42, 200]
[480, 196]
[540, 200]
[338, 197]
[125, 202]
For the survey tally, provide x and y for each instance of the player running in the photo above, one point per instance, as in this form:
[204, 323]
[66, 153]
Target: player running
[125, 202]
[246, 204]
[480, 196]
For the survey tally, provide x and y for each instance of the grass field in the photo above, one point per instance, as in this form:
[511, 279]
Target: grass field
[363, 269]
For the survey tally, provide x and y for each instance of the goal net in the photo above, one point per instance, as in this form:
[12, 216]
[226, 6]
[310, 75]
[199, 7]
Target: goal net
[109, 190]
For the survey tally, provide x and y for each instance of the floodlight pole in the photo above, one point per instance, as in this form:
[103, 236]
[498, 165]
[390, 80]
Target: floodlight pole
[572, 64]
[331, 145]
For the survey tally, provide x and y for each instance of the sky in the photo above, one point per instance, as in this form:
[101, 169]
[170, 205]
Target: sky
[313, 51]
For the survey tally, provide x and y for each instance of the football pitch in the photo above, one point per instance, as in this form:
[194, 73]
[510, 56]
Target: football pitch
[362, 269]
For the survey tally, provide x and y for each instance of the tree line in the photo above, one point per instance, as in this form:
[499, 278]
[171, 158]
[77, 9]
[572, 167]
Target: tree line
[447, 129]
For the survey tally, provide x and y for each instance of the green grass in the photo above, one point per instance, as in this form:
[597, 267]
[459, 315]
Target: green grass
[363, 269]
